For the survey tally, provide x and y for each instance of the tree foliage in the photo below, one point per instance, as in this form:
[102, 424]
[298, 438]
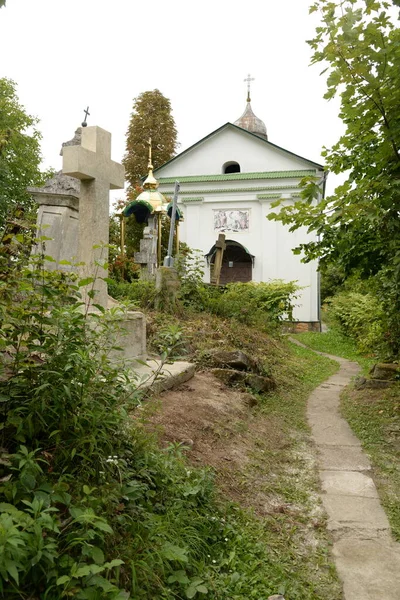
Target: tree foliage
[151, 117]
[359, 46]
[19, 151]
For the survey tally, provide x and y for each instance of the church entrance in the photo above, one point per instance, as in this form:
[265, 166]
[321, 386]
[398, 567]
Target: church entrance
[237, 263]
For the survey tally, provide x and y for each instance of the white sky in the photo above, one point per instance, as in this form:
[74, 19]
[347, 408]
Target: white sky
[67, 54]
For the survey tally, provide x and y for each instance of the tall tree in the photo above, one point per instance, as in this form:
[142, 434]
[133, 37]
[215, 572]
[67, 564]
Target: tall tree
[151, 117]
[359, 46]
[19, 151]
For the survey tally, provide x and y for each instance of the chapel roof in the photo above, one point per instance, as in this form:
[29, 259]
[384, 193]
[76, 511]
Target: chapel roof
[228, 125]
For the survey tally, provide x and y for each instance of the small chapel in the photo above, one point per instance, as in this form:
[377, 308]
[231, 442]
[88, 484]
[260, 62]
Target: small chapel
[228, 181]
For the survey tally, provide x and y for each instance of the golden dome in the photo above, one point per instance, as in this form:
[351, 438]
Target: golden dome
[156, 199]
[150, 194]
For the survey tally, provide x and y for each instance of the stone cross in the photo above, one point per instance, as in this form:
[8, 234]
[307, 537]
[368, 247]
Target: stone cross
[220, 248]
[91, 163]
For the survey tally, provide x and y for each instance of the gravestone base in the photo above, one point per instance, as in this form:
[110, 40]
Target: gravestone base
[131, 337]
[167, 288]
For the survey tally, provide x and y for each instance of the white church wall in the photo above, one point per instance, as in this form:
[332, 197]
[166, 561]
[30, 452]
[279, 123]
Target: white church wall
[230, 144]
[270, 242]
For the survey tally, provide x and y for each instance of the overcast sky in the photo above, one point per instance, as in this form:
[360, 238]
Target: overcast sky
[67, 54]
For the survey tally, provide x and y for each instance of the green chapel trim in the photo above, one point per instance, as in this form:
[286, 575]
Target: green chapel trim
[193, 199]
[268, 196]
[239, 176]
[234, 190]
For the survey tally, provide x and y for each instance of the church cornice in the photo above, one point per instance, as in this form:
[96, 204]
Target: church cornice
[196, 199]
[268, 196]
[238, 176]
[234, 190]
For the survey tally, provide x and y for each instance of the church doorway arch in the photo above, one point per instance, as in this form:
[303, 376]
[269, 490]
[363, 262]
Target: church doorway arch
[237, 263]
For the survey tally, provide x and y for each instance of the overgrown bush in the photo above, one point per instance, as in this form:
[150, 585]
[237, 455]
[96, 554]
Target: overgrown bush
[261, 304]
[362, 317]
[140, 292]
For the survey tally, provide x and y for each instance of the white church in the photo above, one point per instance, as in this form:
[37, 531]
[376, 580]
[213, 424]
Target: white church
[228, 181]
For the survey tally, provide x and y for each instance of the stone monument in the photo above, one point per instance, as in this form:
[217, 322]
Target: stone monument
[147, 255]
[74, 216]
[58, 216]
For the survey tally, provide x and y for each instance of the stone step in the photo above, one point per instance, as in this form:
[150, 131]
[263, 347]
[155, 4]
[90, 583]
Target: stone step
[155, 375]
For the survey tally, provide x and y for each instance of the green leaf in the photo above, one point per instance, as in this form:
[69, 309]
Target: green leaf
[97, 554]
[172, 552]
[86, 281]
[179, 577]
[116, 562]
[63, 579]
[103, 526]
[202, 589]
[12, 570]
[99, 307]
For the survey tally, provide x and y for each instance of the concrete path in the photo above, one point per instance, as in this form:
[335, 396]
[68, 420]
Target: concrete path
[366, 557]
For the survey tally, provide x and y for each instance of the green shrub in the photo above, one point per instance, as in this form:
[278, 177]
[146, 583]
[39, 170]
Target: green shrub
[360, 316]
[261, 304]
[139, 292]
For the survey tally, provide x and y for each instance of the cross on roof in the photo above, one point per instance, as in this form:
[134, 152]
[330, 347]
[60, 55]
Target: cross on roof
[149, 166]
[248, 79]
[87, 113]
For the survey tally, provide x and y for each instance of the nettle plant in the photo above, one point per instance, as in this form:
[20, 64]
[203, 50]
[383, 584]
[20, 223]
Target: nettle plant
[63, 410]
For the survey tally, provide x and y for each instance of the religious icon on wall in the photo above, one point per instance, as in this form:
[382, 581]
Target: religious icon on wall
[236, 221]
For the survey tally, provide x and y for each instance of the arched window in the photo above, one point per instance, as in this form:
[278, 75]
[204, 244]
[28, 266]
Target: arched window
[231, 167]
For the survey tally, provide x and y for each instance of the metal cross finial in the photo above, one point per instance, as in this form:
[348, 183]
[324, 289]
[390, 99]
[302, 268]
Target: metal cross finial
[149, 166]
[248, 80]
[87, 113]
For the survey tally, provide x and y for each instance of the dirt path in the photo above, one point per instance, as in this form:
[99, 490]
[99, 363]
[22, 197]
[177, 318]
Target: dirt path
[367, 559]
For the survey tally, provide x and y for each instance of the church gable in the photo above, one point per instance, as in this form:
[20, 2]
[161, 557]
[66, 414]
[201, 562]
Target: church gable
[232, 149]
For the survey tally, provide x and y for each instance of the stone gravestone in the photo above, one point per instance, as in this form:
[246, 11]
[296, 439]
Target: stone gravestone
[91, 163]
[58, 216]
[147, 256]
[61, 203]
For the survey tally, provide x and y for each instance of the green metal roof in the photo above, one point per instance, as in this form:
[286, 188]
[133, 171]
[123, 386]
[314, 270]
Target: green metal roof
[317, 165]
[268, 196]
[238, 176]
[262, 188]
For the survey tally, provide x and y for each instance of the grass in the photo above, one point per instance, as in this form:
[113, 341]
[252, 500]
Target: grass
[336, 343]
[294, 547]
[295, 519]
[374, 416]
